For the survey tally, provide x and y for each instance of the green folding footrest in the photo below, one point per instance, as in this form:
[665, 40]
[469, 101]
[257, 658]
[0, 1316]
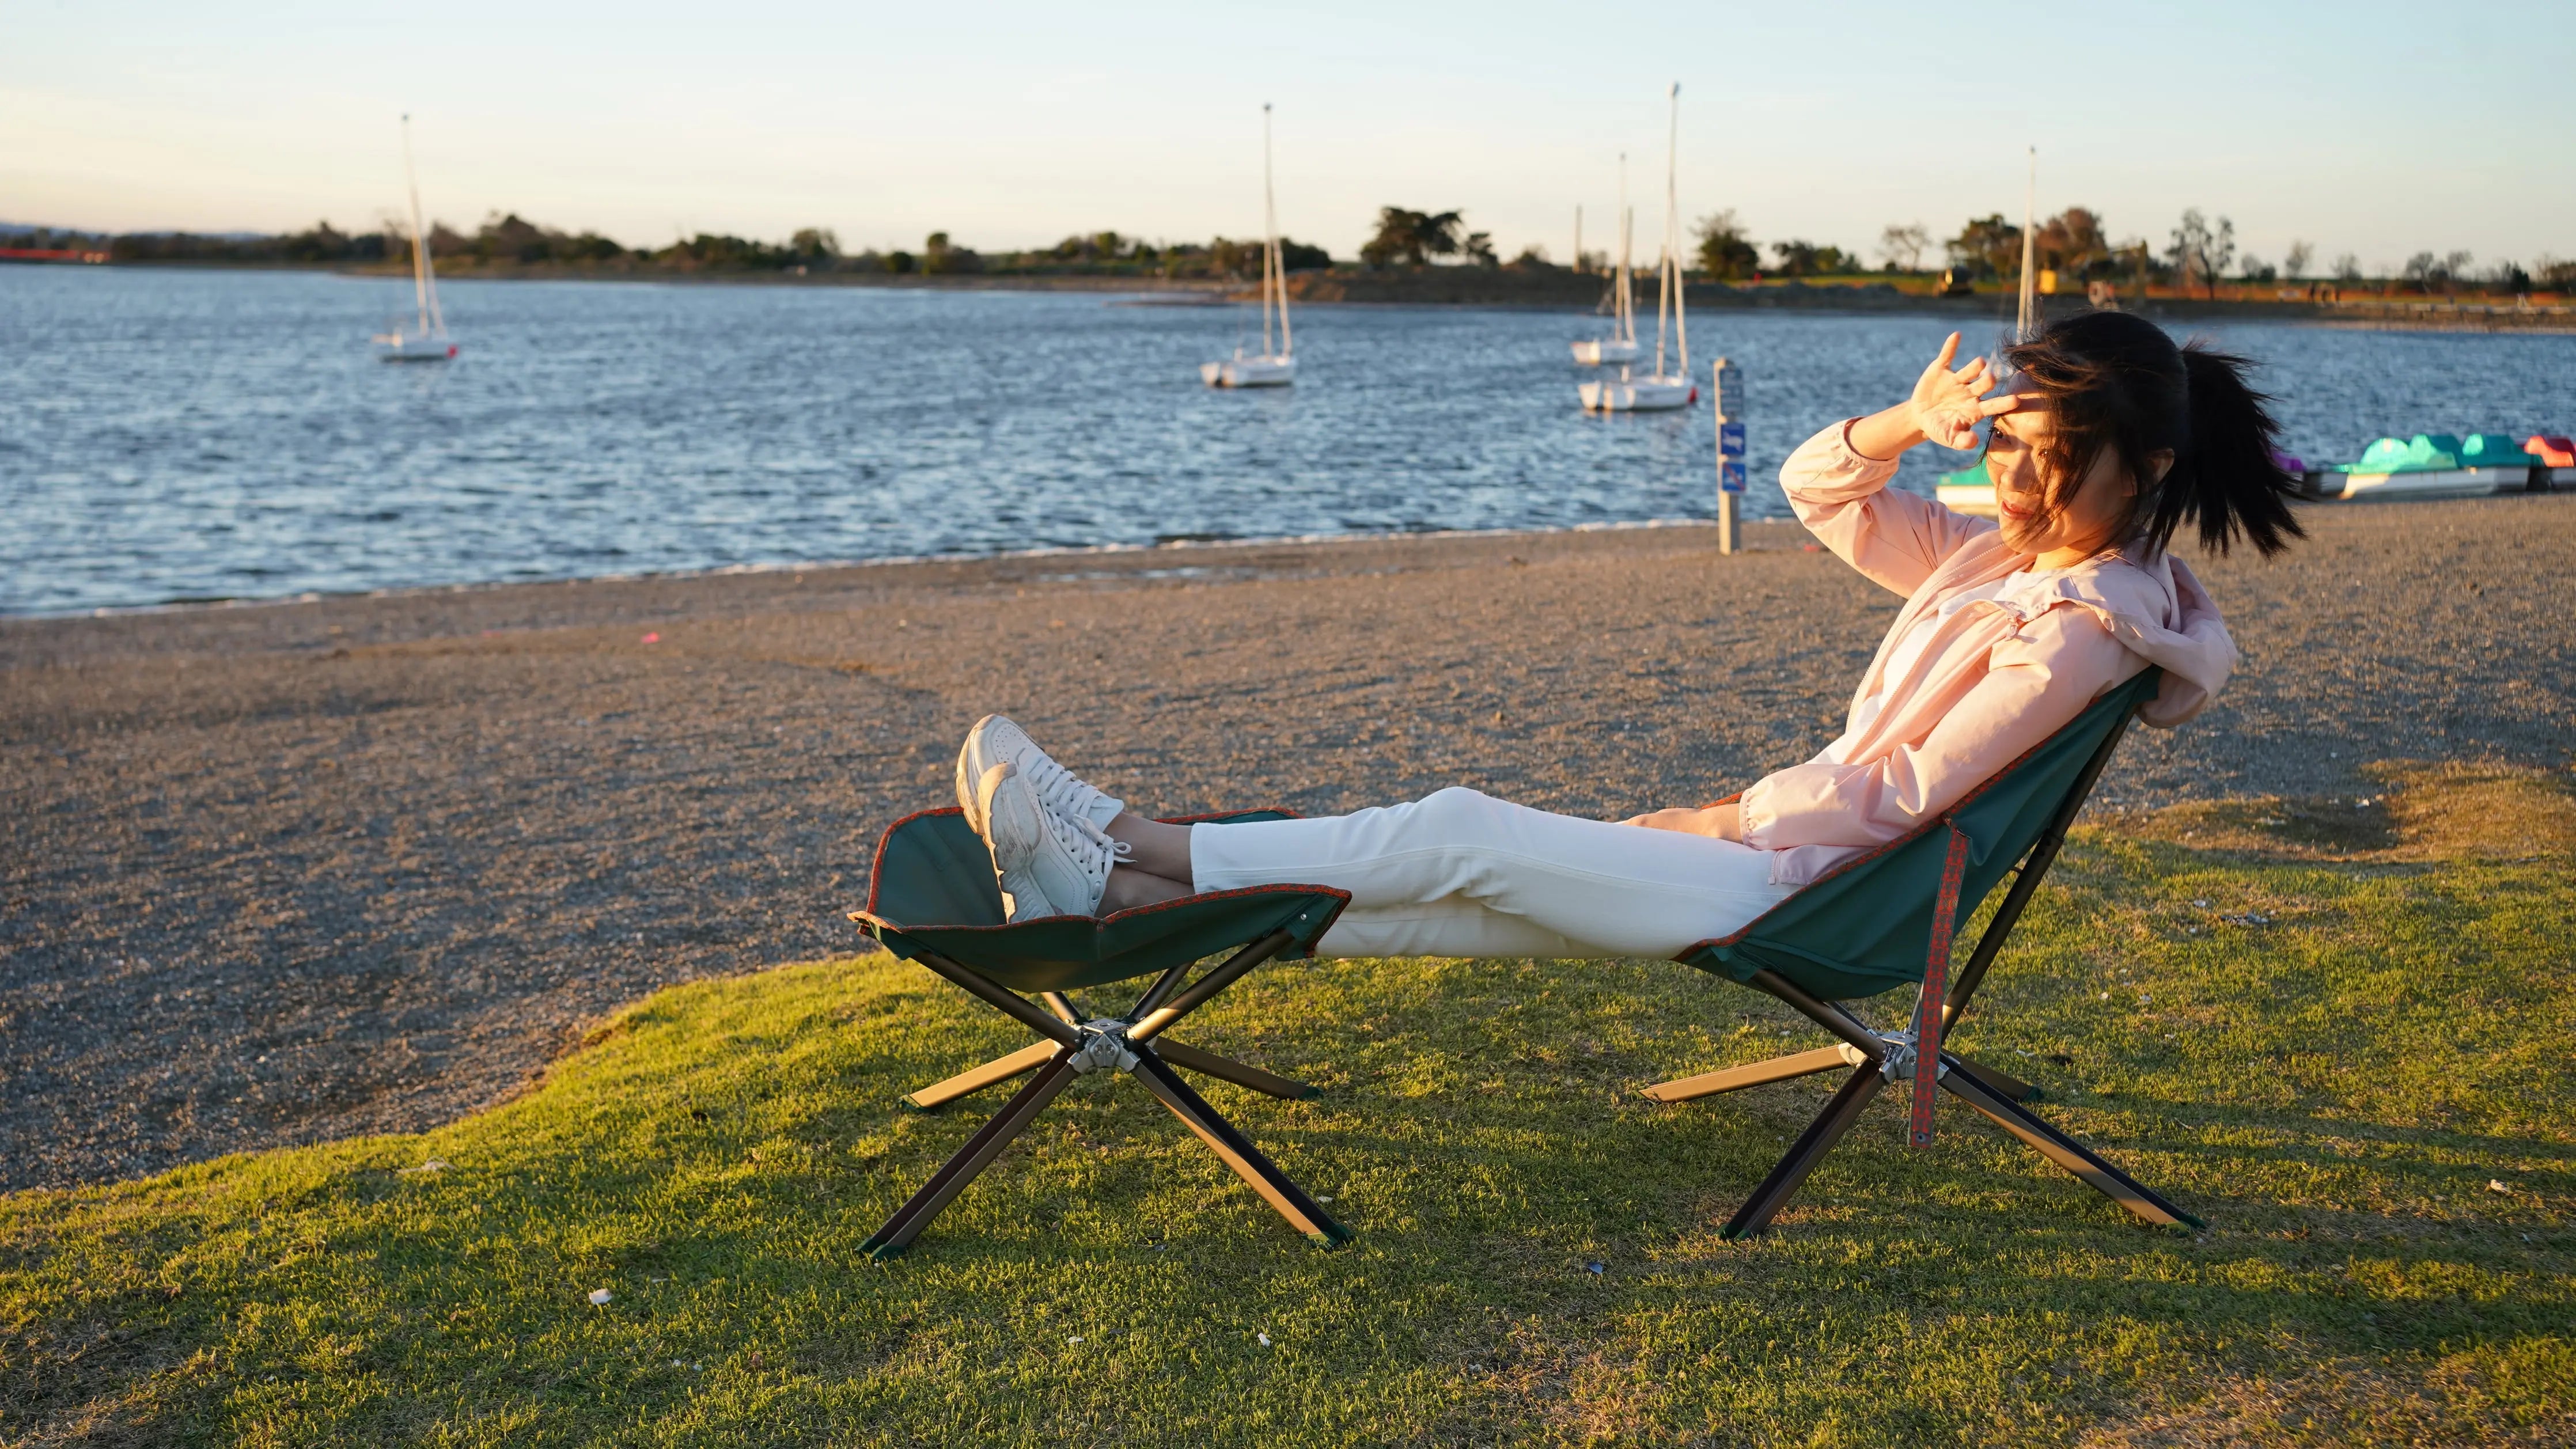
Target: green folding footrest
[932, 899]
[933, 890]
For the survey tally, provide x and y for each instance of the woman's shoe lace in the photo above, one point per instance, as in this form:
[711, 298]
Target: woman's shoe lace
[1065, 796]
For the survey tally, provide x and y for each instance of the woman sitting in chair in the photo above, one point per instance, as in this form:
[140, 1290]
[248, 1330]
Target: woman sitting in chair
[2108, 440]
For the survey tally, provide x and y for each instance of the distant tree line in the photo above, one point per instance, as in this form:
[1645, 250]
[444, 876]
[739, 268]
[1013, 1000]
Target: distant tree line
[2200, 253]
[510, 241]
[318, 246]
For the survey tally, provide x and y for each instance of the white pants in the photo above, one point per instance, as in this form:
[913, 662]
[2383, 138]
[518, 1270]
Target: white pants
[1458, 873]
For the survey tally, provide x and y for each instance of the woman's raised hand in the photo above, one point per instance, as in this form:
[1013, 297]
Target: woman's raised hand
[1947, 405]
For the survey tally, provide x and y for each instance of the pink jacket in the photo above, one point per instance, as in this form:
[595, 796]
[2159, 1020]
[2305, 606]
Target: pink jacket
[1998, 677]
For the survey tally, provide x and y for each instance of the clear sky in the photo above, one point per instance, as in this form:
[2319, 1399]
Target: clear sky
[2370, 128]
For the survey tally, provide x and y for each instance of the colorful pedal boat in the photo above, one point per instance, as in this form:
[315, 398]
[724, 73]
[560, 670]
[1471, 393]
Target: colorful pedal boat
[2440, 465]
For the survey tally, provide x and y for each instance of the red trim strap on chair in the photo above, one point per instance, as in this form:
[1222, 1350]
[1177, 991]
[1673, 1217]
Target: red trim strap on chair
[1936, 987]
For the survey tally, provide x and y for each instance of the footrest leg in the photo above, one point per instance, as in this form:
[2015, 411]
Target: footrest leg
[1237, 1151]
[1227, 1069]
[2066, 1152]
[1841, 1110]
[971, 1159]
[1733, 1079]
[1027, 1059]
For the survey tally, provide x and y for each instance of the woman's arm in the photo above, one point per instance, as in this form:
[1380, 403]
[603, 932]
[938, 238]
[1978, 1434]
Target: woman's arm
[1837, 479]
[1945, 408]
[1724, 821]
[2035, 683]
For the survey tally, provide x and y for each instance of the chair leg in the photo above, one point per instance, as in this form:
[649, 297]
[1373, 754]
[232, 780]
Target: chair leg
[1843, 1109]
[1777, 1069]
[1227, 1069]
[1237, 1151]
[972, 1159]
[2066, 1152]
[2003, 1083]
[966, 1083]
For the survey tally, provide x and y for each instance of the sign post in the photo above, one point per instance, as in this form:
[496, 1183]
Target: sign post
[1728, 387]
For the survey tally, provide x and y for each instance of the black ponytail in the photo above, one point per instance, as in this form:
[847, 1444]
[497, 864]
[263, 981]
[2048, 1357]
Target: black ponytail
[2117, 382]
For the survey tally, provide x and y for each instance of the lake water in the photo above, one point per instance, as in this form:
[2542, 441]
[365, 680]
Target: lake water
[177, 435]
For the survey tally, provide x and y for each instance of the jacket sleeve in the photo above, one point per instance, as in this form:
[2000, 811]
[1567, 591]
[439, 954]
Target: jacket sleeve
[1896, 539]
[2035, 684]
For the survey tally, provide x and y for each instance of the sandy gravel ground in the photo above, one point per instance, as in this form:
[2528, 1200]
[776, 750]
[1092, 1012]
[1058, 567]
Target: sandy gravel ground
[287, 872]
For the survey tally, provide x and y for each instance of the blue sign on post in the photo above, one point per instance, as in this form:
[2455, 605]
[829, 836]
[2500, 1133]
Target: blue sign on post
[1731, 410]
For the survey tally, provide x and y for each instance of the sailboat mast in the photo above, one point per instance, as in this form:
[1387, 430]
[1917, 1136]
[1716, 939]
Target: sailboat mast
[1627, 284]
[1673, 229]
[1663, 305]
[2029, 251]
[424, 277]
[419, 243]
[1627, 299]
[1627, 309]
[1664, 263]
[1274, 266]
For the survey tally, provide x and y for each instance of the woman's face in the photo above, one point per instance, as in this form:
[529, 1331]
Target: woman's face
[2042, 512]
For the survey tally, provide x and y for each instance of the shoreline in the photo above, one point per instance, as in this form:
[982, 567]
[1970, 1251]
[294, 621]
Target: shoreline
[368, 864]
[1264, 541]
[1503, 289]
[400, 591]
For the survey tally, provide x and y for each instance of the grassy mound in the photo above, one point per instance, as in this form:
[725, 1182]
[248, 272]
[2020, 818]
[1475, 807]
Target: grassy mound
[2352, 1066]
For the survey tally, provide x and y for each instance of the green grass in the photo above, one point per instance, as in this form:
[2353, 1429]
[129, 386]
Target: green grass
[2335, 1092]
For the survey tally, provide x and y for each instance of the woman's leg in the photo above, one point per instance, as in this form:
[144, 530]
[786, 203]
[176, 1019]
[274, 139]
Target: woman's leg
[1154, 866]
[1454, 927]
[1152, 846]
[1457, 873]
[1437, 873]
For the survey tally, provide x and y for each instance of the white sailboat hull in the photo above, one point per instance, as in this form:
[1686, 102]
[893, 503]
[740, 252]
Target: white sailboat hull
[1604, 351]
[412, 347]
[1637, 395]
[1250, 372]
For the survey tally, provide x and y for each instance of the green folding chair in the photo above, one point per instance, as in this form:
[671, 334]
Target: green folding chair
[933, 899]
[1885, 921]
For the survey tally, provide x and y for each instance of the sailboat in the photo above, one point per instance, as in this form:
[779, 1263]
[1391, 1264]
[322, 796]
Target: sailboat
[1621, 344]
[428, 340]
[1269, 369]
[1660, 391]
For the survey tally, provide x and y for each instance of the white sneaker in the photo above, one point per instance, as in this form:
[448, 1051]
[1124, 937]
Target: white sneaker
[995, 740]
[1000, 799]
[1048, 865]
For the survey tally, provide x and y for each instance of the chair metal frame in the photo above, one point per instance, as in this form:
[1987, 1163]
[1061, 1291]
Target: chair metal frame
[1879, 1059]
